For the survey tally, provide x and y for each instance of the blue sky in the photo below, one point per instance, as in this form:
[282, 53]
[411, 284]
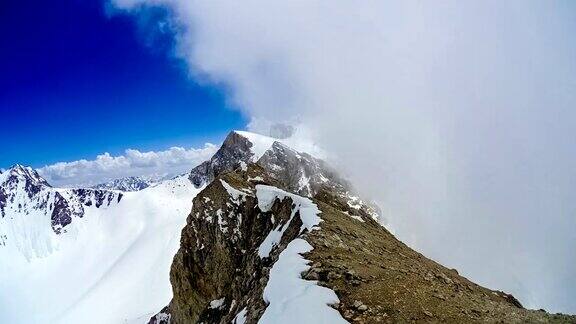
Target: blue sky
[76, 82]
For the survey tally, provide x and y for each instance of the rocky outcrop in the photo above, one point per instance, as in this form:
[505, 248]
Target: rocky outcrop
[218, 260]
[61, 213]
[3, 201]
[300, 172]
[235, 150]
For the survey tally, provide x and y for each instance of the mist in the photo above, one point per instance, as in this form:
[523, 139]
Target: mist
[457, 118]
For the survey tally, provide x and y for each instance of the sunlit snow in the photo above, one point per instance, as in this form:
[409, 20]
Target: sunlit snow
[111, 266]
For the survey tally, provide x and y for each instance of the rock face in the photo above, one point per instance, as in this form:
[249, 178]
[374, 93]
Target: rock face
[221, 238]
[238, 232]
[235, 150]
[24, 192]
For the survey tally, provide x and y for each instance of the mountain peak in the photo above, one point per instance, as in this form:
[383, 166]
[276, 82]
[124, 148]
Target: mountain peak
[239, 147]
[19, 172]
[260, 143]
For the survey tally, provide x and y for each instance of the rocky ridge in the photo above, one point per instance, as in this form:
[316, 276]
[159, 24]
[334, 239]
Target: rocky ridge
[254, 210]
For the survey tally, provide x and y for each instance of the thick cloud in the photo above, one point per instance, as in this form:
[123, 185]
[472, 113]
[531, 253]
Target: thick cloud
[133, 163]
[458, 117]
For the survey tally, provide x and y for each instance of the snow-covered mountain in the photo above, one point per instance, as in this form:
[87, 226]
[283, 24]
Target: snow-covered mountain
[28, 201]
[86, 255]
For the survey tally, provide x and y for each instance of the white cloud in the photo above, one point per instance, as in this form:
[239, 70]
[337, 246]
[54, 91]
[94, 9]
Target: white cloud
[106, 167]
[457, 116]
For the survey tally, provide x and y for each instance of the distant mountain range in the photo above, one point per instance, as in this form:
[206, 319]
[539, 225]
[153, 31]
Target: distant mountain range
[133, 183]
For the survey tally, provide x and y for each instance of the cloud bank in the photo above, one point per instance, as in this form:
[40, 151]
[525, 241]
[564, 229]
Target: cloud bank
[106, 167]
[457, 117]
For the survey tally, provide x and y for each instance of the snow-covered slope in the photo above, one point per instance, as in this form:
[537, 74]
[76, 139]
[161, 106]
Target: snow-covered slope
[33, 212]
[109, 266]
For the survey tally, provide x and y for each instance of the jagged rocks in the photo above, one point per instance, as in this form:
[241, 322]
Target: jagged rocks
[163, 317]
[236, 149]
[300, 172]
[3, 201]
[61, 213]
[218, 258]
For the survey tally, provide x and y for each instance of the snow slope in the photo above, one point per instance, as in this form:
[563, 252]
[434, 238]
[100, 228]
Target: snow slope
[292, 299]
[111, 266]
[295, 300]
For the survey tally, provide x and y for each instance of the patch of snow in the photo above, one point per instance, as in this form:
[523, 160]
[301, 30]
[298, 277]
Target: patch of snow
[221, 221]
[163, 317]
[260, 143]
[233, 192]
[216, 303]
[256, 178]
[355, 202]
[304, 182]
[358, 218]
[240, 317]
[308, 214]
[308, 210]
[243, 166]
[292, 299]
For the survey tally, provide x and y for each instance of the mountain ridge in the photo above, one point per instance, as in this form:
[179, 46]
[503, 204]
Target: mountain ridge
[236, 237]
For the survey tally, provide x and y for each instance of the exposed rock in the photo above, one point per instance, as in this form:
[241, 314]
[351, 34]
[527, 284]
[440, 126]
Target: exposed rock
[223, 234]
[236, 149]
[359, 306]
[163, 317]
